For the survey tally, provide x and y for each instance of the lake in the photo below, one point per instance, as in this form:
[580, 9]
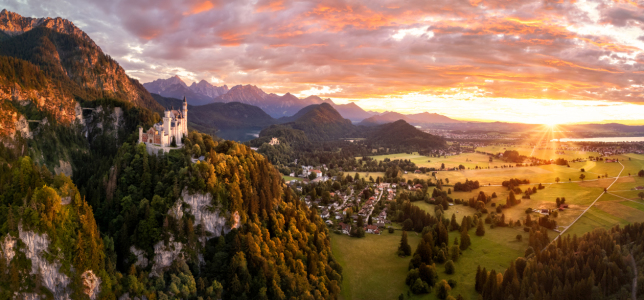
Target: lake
[239, 135]
[604, 139]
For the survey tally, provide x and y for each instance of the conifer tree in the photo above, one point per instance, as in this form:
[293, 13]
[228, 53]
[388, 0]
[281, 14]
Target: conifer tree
[404, 249]
[480, 230]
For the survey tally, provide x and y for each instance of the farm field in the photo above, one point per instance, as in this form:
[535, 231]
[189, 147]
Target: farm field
[374, 271]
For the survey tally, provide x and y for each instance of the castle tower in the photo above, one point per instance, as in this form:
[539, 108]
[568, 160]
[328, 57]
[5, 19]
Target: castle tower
[140, 134]
[166, 124]
[184, 113]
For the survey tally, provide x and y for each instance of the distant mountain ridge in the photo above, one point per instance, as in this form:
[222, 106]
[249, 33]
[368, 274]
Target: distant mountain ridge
[415, 119]
[197, 94]
[276, 106]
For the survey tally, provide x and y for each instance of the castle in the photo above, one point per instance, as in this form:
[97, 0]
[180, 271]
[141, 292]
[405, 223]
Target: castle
[173, 127]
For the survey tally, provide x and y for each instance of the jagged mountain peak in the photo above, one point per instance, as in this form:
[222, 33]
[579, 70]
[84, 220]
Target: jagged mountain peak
[13, 24]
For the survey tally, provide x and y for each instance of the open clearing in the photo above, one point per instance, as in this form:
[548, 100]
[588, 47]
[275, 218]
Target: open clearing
[372, 270]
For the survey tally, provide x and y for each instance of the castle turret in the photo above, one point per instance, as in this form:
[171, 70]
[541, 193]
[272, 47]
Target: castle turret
[184, 113]
[140, 134]
[166, 123]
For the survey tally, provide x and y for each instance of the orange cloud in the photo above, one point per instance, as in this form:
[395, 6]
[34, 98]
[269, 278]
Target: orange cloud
[199, 8]
[270, 5]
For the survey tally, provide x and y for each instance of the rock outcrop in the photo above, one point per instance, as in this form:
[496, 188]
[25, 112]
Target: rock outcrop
[141, 260]
[92, 284]
[199, 205]
[64, 167]
[37, 246]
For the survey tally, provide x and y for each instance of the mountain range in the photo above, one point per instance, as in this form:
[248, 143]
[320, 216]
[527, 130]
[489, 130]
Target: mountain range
[197, 93]
[275, 105]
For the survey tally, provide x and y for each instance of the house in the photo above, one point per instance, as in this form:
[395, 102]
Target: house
[545, 212]
[329, 222]
[274, 141]
[318, 173]
[324, 214]
[371, 228]
[345, 228]
[380, 224]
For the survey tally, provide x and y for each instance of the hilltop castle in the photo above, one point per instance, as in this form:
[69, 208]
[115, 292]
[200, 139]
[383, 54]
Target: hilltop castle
[173, 127]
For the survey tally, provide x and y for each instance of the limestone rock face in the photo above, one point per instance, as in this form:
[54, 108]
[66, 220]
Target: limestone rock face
[36, 249]
[8, 245]
[52, 278]
[213, 222]
[22, 126]
[198, 205]
[64, 167]
[92, 284]
[141, 260]
[165, 255]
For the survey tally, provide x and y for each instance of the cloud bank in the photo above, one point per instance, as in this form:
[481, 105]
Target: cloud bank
[572, 50]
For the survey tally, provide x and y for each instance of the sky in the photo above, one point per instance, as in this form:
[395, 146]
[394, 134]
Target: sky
[552, 61]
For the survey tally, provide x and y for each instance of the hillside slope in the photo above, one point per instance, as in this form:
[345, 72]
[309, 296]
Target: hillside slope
[74, 66]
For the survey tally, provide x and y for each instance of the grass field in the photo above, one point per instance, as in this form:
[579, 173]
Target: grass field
[373, 271]
[371, 268]
[289, 178]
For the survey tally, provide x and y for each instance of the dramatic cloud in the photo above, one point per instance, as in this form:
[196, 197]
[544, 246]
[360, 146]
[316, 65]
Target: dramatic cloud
[558, 50]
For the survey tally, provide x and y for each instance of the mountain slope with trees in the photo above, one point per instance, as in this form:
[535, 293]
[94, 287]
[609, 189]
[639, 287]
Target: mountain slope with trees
[75, 67]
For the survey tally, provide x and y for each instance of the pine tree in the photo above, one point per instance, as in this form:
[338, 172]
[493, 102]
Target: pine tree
[404, 249]
[465, 240]
[480, 229]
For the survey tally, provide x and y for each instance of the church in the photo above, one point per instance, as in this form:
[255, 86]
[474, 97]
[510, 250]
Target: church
[174, 127]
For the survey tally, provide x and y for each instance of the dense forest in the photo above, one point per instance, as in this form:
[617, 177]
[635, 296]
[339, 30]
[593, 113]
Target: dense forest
[598, 265]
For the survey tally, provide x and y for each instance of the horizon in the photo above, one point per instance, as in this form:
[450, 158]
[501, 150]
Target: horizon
[477, 60]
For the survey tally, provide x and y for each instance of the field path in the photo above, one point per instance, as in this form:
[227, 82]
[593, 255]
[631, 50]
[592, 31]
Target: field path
[591, 205]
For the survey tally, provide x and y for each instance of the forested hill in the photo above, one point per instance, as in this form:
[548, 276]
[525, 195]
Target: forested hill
[402, 135]
[318, 122]
[54, 64]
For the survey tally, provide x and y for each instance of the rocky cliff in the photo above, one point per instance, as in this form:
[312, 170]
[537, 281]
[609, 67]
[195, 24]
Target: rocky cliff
[199, 205]
[36, 248]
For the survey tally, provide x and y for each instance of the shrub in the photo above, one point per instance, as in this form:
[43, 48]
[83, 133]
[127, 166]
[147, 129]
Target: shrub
[519, 237]
[452, 283]
[449, 267]
[526, 229]
[390, 229]
[420, 287]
